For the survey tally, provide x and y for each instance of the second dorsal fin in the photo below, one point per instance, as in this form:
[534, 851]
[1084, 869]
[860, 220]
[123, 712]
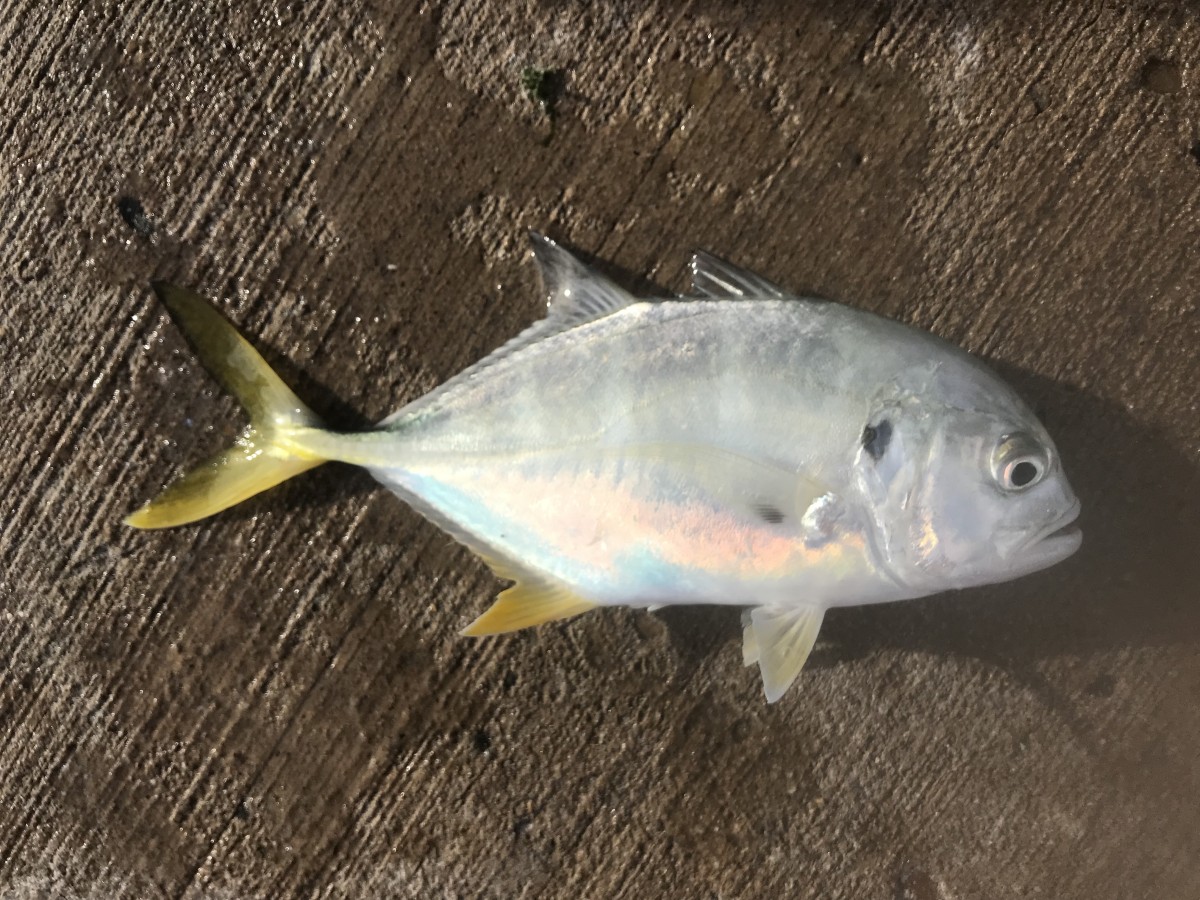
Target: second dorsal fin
[714, 277]
[575, 293]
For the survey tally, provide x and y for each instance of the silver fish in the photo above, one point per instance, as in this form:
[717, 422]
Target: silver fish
[738, 446]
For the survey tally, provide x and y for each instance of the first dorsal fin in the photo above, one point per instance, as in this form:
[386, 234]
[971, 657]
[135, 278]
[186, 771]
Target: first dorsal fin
[779, 639]
[575, 292]
[714, 277]
[533, 600]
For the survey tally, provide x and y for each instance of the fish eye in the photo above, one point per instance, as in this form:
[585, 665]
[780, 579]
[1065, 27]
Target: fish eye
[1019, 462]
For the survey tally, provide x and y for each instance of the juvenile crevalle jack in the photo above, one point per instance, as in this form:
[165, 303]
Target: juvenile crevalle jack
[737, 446]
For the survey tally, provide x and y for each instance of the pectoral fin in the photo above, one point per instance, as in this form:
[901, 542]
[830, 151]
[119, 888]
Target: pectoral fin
[761, 491]
[779, 639]
[533, 600]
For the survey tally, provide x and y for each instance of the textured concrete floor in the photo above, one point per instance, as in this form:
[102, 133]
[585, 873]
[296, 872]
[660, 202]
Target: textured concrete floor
[275, 702]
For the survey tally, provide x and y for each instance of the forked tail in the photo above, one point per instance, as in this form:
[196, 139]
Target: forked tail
[263, 455]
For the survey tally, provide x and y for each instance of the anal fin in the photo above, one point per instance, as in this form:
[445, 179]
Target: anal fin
[533, 600]
[779, 639]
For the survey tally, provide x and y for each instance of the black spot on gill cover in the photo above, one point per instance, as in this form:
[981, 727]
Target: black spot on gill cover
[875, 439]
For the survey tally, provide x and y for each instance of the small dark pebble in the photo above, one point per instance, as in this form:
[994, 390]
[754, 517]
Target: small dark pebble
[542, 86]
[482, 740]
[135, 217]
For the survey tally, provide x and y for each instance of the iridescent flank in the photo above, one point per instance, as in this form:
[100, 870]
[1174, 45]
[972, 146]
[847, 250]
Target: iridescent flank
[623, 541]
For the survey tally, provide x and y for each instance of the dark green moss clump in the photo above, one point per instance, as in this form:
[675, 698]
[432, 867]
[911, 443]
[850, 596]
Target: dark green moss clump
[543, 87]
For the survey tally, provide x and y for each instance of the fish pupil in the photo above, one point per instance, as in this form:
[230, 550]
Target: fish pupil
[875, 439]
[1024, 473]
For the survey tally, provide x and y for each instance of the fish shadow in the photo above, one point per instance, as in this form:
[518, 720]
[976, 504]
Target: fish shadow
[1133, 583]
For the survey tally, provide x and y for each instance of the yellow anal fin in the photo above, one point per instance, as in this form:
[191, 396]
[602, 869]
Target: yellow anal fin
[228, 478]
[531, 601]
[780, 639]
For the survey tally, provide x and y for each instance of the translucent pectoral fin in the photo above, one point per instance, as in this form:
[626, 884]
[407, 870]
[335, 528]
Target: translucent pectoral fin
[533, 600]
[779, 639]
[759, 490]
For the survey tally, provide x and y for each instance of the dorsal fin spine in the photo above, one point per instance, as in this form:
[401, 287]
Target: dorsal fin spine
[575, 292]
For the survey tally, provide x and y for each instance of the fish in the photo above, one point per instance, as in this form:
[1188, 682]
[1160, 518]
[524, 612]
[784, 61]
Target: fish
[739, 445]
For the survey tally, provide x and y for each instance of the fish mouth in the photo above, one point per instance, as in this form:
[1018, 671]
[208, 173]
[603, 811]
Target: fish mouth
[1056, 541]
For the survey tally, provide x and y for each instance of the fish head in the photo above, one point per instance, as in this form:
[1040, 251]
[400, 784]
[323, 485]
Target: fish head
[965, 491]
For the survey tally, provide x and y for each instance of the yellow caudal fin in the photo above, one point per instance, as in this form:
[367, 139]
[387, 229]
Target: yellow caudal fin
[263, 456]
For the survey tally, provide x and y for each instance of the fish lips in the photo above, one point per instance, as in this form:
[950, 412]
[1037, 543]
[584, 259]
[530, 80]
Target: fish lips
[1052, 544]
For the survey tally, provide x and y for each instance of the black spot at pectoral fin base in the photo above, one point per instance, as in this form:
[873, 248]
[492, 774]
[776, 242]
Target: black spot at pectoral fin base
[769, 513]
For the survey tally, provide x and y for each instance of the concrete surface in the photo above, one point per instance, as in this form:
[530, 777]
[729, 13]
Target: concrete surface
[275, 703]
